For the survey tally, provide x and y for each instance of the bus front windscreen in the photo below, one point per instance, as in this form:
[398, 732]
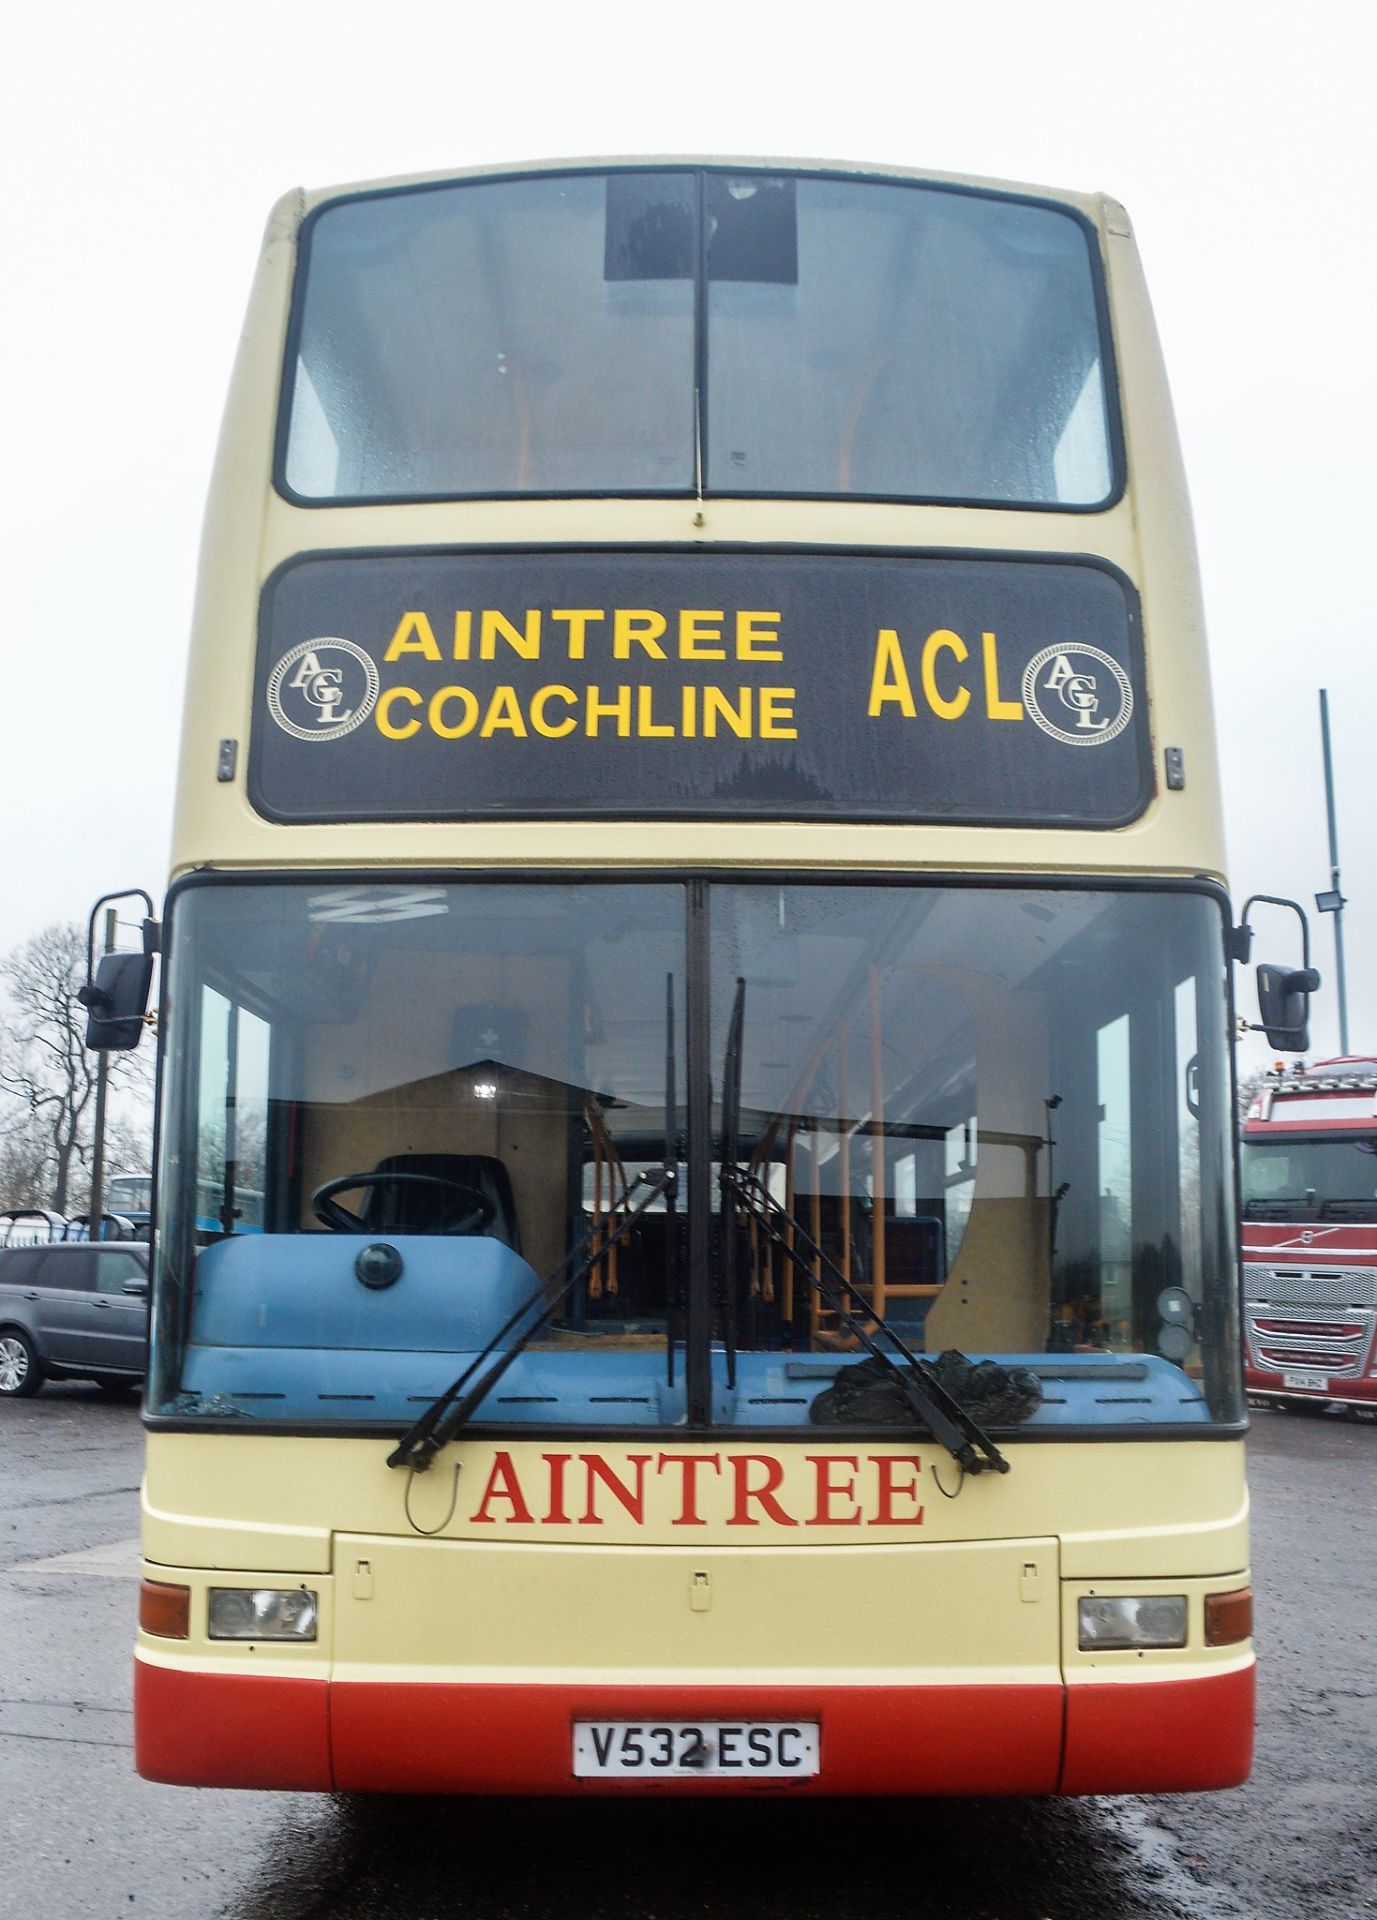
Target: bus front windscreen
[129, 1193]
[645, 331]
[986, 1124]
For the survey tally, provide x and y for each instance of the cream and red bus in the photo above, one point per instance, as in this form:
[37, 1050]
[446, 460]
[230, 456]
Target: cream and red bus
[697, 912]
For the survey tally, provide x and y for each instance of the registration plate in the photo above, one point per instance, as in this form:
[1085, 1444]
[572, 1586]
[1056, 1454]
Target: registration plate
[695, 1749]
[1308, 1380]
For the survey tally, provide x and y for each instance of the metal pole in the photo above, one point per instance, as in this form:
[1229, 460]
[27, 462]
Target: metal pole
[1334, 872]
[97, 1200]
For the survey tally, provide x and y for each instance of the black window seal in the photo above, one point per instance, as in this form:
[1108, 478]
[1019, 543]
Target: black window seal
[1118, 474]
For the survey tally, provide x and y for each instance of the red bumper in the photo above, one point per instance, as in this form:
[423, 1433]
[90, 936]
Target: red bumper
[229, 1730]
[1339, 1393]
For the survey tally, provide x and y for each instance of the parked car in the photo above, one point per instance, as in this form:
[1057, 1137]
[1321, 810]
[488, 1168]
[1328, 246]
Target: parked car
[76, 1310]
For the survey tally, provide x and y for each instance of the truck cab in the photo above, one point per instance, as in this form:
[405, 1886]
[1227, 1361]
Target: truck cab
[1309, 1233]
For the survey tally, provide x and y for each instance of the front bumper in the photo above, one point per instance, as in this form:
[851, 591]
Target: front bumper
[197, 1727]
[1340, 1392]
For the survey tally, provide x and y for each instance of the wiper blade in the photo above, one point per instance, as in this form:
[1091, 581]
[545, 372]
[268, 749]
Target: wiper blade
[1339, 1209]
[453, 1409]
[948, 1421]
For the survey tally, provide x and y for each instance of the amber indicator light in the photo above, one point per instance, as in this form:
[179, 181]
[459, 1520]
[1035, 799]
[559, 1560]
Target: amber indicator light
[1228, 1617]
[165, 1610]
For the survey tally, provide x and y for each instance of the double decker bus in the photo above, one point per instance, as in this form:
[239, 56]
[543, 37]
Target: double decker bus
[1309, 1189]
[130, 1195]
[697, 894]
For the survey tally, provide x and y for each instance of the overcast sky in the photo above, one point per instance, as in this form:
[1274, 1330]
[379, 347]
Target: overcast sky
[144, 145]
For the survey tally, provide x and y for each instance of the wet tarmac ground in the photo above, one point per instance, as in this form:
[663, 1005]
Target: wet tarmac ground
[82, 1836]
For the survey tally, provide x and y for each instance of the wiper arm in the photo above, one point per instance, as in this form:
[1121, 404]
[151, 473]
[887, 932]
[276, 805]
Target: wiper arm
[948, 1421]
[453, 1409]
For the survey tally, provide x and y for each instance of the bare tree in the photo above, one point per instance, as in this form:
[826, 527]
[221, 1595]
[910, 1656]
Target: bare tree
[128, 1139]
[23, 1165]
[47, 1078]
[1249, 1086]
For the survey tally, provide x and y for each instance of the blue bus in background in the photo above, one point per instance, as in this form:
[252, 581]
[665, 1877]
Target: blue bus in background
[130, 1195]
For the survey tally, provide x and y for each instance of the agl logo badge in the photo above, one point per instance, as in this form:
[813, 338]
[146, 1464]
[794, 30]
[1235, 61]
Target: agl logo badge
[322, 689]
[1078, 695]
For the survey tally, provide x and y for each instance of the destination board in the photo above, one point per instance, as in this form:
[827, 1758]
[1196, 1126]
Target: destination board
[451, 685]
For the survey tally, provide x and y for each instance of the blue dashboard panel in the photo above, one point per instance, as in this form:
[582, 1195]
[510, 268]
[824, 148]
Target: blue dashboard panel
[318, 1384]
[302, 1290]
[1078, 1390]
[1112, 1389]
[283, 1328]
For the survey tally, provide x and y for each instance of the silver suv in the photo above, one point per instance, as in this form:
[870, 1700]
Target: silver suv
[77, 1311]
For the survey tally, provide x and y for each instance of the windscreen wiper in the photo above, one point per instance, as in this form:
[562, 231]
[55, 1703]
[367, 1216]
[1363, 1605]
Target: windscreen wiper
[936, 1409]
[453, 1409]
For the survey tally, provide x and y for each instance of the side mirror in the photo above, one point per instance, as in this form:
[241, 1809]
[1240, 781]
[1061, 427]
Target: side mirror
[1283, 998]
[1283, 993]
[116, 992]
[117, 1000]
[137, 1287]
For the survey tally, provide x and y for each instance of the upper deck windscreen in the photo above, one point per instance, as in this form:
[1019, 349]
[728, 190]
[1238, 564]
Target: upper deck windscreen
[647, 332]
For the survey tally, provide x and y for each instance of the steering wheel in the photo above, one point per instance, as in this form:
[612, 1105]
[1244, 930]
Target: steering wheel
[480, 1215]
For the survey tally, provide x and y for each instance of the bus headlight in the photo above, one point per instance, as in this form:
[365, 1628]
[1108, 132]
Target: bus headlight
[262, 1613]
[1136, 1620]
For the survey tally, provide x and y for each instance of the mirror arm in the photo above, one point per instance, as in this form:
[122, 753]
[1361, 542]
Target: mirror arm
[1242, 940]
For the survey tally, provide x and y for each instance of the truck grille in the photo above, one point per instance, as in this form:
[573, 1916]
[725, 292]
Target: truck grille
[1310, 1317]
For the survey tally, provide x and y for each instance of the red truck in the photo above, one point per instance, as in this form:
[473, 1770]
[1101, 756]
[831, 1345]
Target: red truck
[1309, 1192]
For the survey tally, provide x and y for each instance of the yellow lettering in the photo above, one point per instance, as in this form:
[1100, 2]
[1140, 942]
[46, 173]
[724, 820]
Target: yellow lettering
[552, 729]
[503, 715]
[645, 726]
[689, 730]
[457, 729]
[943, 641]
[889, 681]
[774, 713]
[402, 641]
[578, 618]
[618, 709]
[693, 632]
[716, 704]
[749, 637]
[496, 626]
[463, 633]
[640, 624]
[382, 714]
[996, 708]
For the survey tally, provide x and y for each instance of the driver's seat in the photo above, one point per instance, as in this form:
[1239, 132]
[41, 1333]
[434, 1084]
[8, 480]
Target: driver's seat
[407, 1209]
